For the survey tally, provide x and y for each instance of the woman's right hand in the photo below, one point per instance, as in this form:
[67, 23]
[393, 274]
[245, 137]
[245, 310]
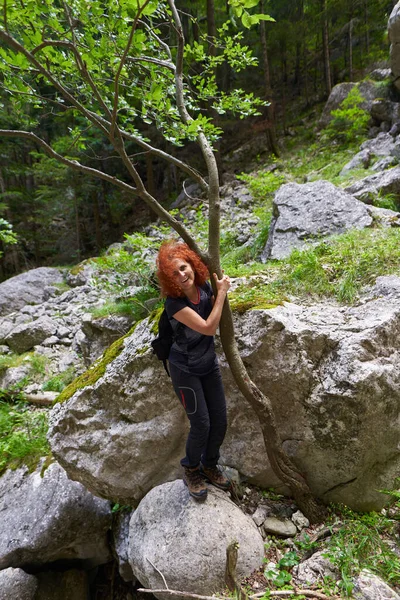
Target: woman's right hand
[222, 284]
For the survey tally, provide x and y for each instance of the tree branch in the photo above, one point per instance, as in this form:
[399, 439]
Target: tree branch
[272, 593]
[15, 45]
[80, 63]
[156, 61]
[138, 191]
[161, 154]
[120, 67]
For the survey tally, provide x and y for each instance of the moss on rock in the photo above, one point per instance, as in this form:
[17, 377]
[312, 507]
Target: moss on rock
[96, 370]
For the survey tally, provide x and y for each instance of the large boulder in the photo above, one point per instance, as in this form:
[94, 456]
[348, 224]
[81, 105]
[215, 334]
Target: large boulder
[27, 288]
[47, 517]
[304, 213]
[370, 188]
[368, 90]
[331, 372]
[394, 37]
[134, 432]
[186, 541]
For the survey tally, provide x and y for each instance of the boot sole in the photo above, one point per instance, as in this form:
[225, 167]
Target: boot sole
[199, 497]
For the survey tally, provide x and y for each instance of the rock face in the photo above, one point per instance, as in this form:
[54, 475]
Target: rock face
[131, 416]
[24, 337]
[187, 540]
[369, 188]
[15, 584]
[394, 37]
[50, 518]
[304, 213]
[27, 288]
[332, 374]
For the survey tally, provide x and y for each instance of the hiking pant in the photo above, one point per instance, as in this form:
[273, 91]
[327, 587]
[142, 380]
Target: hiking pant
[203, 398]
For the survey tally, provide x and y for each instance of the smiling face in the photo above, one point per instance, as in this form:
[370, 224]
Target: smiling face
[183, 275]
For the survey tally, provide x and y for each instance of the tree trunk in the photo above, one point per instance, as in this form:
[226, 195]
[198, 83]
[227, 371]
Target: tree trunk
[270, 109]
[366, 25]
[325, 46]
[351, 47]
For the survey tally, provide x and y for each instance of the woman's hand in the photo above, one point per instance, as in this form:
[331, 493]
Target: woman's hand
[222, 284]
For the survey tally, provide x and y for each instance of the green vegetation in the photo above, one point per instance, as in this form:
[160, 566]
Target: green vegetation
[22, 434]
[58, 382]
[350, 121]
[337, 268]
[360, 541]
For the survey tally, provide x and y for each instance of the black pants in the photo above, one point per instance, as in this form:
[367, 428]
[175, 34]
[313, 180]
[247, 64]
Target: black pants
[203, 399]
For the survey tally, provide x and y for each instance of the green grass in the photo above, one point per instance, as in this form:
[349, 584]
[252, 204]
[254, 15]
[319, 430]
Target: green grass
[58, 382]
[360, 541]
[337, 268]
[22, 435]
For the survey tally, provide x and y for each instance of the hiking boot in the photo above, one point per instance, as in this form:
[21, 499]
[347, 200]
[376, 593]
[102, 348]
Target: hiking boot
[215, 476]
[195, 483]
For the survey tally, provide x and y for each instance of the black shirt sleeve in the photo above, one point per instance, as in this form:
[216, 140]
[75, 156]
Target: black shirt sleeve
[173, 305]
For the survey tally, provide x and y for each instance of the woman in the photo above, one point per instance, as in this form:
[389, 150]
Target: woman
[194, 315]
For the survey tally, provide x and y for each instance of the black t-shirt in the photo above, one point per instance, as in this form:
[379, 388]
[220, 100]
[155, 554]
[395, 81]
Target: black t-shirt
[191, 351]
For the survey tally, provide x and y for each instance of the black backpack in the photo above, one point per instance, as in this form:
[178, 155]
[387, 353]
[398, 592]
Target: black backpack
[162, 344]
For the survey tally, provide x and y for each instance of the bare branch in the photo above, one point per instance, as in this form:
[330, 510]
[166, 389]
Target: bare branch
[120, 67]
[157, 38]
[276, 593]
[156, 61]
[158, 571]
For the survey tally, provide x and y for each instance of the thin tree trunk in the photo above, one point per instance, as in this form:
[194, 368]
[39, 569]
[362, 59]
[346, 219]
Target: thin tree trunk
[366, 25]
[77, 227]
[325, 46]
[351, 47]
[270, 109]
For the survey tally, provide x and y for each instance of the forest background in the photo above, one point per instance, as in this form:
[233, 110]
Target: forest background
[61, 216]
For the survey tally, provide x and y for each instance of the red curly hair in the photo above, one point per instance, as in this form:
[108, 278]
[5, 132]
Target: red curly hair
[165, 270]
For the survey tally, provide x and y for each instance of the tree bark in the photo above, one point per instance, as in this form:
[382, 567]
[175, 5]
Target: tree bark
[270, 109]
[325, 46]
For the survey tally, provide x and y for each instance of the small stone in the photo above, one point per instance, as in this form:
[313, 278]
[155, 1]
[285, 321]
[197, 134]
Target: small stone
[51, 341]
[282, 527]
[260, 515]
[300, 520]
[4, 349]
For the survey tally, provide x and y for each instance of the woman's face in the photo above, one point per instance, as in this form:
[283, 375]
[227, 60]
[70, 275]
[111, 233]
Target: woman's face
[183, 274]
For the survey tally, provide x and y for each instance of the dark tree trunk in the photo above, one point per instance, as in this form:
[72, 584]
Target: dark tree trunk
[325, 46]
[270, 110]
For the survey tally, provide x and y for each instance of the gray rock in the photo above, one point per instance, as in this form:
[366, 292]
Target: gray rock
[385, 163]
[15, 584]
[121, 545]
[380, 74]
[27, 288]
[315, 569]
[4, 349]
[282, 527]
[371, 587]
[360, 160]
[67, 585]
[24, 337]
[305, 213]
[368, 90]
[260, 515]
[369, 188]
[300, 520]
[382, 145]
[172, 533]
[394, 37]
[80, 274]
[328, 371]
[49, 518]
[50, 341]
[384, 216]
[14, 375]
[101, 333]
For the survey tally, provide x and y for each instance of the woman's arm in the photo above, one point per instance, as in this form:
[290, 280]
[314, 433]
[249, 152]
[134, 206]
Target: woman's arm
[208, 326]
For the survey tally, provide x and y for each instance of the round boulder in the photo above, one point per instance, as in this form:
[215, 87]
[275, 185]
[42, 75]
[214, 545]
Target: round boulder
[186, 541]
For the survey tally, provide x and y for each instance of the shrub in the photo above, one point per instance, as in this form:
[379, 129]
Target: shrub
[350, 121]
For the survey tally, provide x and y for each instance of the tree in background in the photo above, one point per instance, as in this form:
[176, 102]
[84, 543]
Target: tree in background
[117, 66]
